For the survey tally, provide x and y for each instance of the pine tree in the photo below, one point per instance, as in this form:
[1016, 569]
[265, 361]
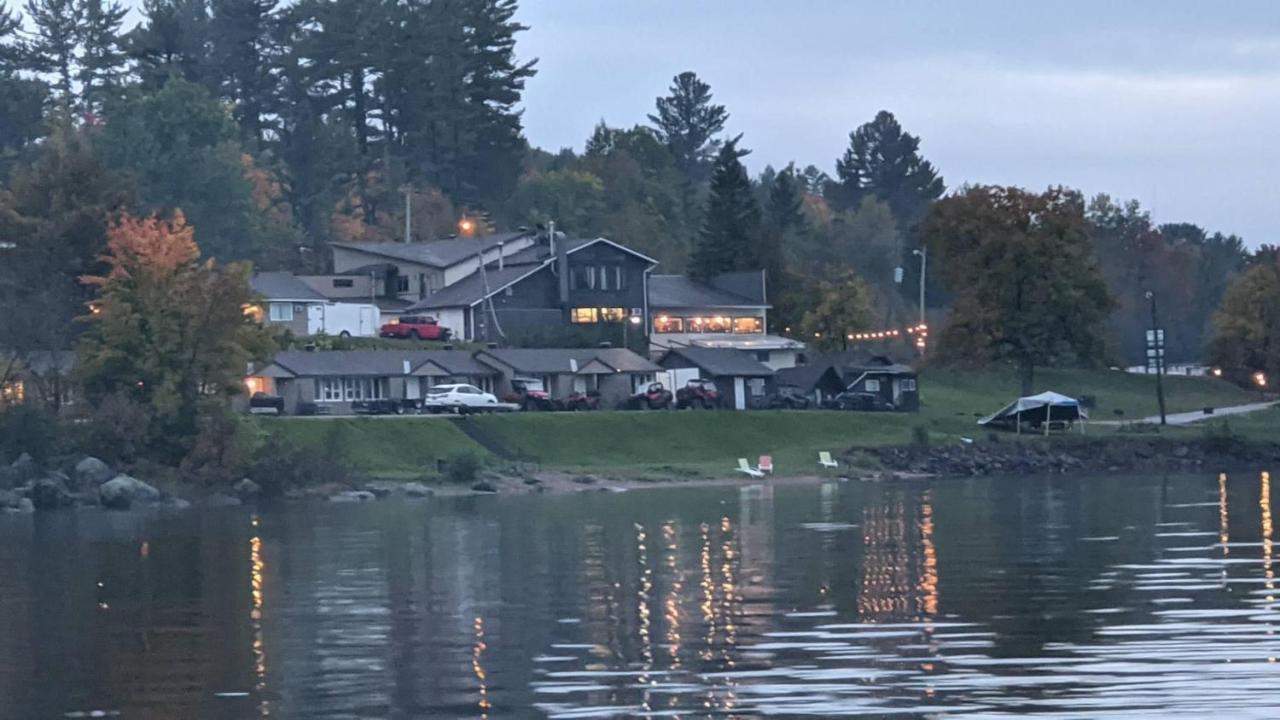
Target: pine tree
[783, 222]
[172, 40]
[102, 57]
[731, 221]
[687, 122]
[884, 162]
[51, 47]
[238, 34]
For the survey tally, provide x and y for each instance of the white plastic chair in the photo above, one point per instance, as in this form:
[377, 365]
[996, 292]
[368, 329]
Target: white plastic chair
[745, 468]
[826, 461]
[766, 464]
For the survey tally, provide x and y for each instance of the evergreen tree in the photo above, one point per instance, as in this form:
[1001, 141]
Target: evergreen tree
[51, 46]
[884, 162]
[238, 40]
[171, 40]
[687, 121]
[21, 99]
[731, 221]
[102, 57]
[783, 224]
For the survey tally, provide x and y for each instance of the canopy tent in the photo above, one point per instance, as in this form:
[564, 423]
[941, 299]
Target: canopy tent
[1038, 411]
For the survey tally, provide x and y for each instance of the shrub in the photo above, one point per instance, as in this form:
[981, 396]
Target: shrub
[116, 429]
[279, 465]
[1219, 438]
[30, 429]
[920, 436]
[462, 468]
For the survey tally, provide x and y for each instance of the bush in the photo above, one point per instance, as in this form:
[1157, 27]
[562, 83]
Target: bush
[920, 436]
[1220, 439]
[279, 465]
[462, 469]
[116, 430]
[29, 429]
[217, 456]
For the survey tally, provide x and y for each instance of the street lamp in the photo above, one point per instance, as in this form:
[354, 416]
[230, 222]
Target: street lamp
[923, 254]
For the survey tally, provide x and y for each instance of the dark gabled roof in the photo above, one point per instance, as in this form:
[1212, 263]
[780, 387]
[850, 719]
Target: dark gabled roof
[723, 362]
[376, 362]
[437, 253]
[458, 362]
[470, 290]
[807, 377]
[284, 286]
[552, 361]
[678, 291]
[845, 360]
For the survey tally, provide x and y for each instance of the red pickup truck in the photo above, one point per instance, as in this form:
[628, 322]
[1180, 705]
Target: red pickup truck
[415, 327]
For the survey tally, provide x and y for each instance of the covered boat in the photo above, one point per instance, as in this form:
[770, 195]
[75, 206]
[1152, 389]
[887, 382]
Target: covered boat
[1038, 412]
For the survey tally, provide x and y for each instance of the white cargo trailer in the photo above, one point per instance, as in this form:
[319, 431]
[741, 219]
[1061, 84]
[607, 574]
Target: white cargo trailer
[344, 319]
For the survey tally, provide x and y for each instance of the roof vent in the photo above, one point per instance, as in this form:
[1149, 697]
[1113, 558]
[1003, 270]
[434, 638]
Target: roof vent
[606, 345]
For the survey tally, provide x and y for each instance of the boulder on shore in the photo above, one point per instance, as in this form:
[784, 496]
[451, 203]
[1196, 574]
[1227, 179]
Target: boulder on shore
[50, 493]
[247, 490]
[92, 472]
[24, 470]
[122, 492]
[353, 496]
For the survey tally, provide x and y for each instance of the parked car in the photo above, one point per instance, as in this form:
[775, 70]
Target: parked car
[699, 395]
[653, 396]
[458, 398]
[579, 401]
[383, 407]
[415, 327]
[860, 401]
[530, 394]
[261, 403]
[788, 397]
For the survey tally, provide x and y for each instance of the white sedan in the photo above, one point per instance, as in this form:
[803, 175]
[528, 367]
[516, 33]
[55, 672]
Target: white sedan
[459, 398]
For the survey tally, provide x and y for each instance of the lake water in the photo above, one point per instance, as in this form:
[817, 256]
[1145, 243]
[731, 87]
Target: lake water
[1063, 597]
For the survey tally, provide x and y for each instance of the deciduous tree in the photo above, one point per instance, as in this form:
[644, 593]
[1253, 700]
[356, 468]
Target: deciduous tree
[1027, 285]
[1246, 329]
[843, 306]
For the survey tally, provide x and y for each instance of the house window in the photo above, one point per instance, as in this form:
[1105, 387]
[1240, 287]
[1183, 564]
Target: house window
[581, 277]
[402, 283]
[509, 291]
[748, 325]
[696, 324]
[619, 278]
[280, 312]
[580, 383]
[871, 386]
[639, 381]
[343, 282]
[612, 314]
[604, 276]
[908, 384]
[13, 392]
[350, 389]
[664, 324]
[718, 325]
[582, 316]
[756, 386]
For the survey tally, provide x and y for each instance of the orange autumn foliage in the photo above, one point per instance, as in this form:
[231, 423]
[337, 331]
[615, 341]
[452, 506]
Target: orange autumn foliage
[149, 245]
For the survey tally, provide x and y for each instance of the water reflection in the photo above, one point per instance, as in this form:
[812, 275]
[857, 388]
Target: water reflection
[1066, 597]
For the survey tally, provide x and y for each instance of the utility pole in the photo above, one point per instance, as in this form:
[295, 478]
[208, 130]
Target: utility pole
[408, 212]
[1156, 348]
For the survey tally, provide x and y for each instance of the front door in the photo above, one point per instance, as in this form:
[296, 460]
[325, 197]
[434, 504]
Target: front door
[315, 319]
[739, 394]
[412, 388]
[366, 322]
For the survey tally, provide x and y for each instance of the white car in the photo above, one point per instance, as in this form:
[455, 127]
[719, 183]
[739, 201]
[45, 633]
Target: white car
[458, 398]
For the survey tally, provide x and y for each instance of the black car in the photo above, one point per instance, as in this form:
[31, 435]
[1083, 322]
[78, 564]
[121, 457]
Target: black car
[261, 403]
[859, 401]
[788, 397]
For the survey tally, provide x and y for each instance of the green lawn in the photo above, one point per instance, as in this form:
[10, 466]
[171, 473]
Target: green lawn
[708, 443]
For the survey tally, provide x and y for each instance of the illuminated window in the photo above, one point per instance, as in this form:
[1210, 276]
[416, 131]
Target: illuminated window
[12, 393]
[664, 324]
[613, 314]
[718, 325]
[582, 316]
[339, 389]
[697, 324]
[748, 325]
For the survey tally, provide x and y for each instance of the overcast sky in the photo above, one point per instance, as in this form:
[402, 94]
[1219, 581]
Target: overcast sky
[1174, 103]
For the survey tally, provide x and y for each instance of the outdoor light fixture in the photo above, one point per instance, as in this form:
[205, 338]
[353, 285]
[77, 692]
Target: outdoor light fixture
[1260, 379]
[466, 226]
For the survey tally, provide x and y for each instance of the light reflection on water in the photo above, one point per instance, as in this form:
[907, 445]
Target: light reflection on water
[1061, 597]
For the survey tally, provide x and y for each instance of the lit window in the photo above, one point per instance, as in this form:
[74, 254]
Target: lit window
[718, 325]
[281, 312]
[582, 316]
[12, 393]
[697, 324]
[664, 324]
[613, 314]
[872, 385]
[748, 325]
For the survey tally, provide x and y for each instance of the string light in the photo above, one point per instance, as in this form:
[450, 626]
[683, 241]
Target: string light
[920, 332]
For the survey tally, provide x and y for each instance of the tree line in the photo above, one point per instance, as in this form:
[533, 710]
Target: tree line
[279, 127]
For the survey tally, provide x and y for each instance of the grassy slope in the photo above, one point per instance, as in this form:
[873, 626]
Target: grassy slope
[402, 448]
[710, 442]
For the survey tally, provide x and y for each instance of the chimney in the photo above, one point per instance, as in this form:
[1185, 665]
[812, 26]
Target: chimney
[561, 254]
[502, 258]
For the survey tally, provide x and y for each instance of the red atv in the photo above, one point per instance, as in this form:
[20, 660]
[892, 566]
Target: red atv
[699, 395]
[415, 327]
[654, 396]
[580, 401]
[529, 394]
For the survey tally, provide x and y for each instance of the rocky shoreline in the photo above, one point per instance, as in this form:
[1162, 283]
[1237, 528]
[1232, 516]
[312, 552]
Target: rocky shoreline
[1070, 455]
